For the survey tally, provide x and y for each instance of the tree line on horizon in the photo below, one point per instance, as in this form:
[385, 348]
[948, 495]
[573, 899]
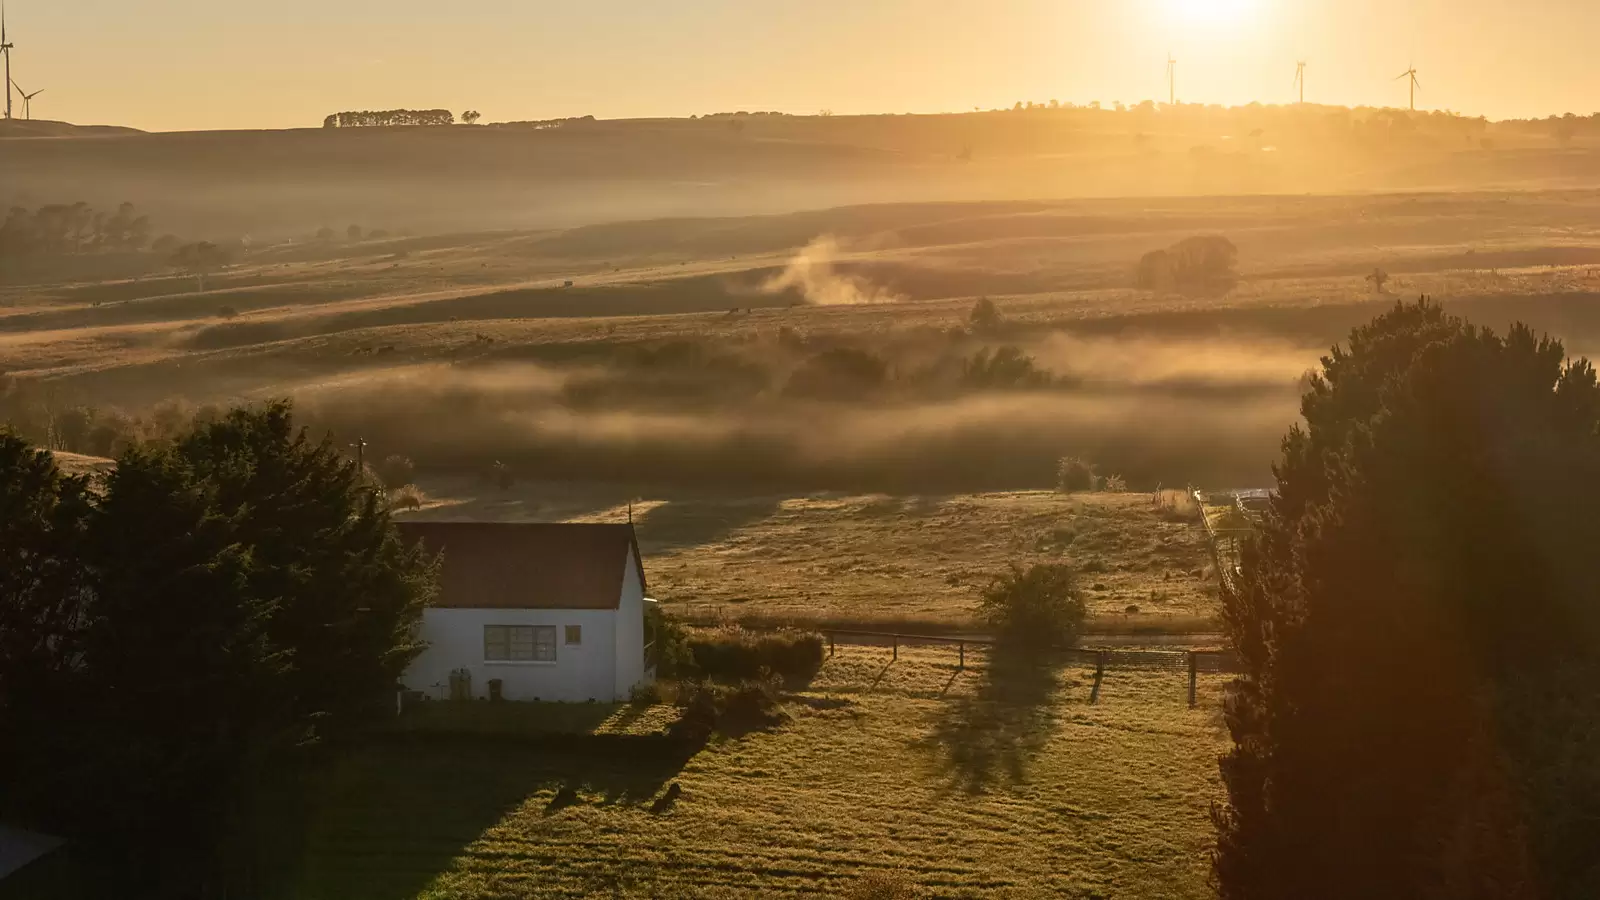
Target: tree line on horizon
[382, 118]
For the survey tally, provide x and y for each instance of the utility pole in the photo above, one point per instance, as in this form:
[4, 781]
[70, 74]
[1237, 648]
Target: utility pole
[361, 454]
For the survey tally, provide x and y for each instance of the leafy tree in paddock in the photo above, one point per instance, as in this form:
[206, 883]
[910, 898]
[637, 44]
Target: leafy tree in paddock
[200, 259]
[471, 117]
[1036, 609]
[985, 316]
[1422, 597]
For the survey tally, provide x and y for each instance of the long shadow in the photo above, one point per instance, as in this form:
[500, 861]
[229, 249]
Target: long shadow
[992, 736]
[384, 822]
[679, 524]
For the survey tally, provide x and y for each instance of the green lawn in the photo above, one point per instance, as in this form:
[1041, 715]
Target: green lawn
[970, 784]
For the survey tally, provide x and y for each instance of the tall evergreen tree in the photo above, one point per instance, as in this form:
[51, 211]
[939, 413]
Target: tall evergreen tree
[218, 603]
[1425, 578]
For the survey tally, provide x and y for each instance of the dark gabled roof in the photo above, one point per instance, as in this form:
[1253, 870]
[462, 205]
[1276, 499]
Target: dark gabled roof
[510, 565]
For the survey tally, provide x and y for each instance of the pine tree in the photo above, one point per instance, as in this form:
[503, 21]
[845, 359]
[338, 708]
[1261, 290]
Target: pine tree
[1429, 556]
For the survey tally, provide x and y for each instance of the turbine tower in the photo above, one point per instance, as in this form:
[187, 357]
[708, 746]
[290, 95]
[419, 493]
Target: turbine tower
[1411, 72]
[1172, 80]
[1299, 80]
[5, 50]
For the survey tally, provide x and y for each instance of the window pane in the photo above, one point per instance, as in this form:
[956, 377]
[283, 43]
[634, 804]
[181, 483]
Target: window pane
[494, 642]
[574, 634]
[522, 644]
[544, 643]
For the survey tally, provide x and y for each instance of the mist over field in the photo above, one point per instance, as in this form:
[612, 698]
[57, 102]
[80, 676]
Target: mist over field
[1214, 426]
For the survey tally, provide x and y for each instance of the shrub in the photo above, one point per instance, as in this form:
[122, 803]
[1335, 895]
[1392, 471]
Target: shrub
[1074, 473]
[396, 471]
[1003, 367]
[985, 316]
[671, 643]
[227, 312]
[406, 497]
[734, 653]
[1114, 484]
[839, 373]
[1206, 263]
[1036, 609]
[698, 720]
[753, 705]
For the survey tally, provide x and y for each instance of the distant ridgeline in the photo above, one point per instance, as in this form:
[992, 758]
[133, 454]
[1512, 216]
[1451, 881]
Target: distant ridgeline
[369, 118]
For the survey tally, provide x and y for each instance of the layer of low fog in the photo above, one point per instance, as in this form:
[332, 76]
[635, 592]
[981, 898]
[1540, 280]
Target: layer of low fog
[974, 415]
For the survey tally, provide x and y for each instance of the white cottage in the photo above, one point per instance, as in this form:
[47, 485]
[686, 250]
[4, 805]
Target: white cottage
[553, 611]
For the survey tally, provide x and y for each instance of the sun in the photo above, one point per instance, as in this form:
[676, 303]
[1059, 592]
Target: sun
[1212, 12]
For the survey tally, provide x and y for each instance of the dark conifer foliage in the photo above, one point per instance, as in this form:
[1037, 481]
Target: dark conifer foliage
[1421, 604]
[216, 608]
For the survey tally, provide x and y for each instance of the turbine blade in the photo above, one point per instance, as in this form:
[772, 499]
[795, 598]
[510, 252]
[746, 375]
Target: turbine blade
[1416, 82]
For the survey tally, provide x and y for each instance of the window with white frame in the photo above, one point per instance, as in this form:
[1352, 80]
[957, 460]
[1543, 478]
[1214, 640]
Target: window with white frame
[519, 643]
[574, 635]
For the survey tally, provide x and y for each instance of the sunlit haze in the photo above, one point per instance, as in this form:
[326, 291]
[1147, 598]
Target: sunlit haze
[189, 64]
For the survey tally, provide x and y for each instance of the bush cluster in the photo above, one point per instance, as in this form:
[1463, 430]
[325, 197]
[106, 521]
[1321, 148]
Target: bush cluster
[752, 705]
[734, 653]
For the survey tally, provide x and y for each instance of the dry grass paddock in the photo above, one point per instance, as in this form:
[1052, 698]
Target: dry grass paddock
[912, 563]
[966, 785]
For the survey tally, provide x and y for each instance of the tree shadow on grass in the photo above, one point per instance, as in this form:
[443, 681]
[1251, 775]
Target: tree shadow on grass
[681, 524]
[384, 822]
[992, 736]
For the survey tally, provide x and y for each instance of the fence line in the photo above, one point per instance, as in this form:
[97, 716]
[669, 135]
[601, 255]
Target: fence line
[1191, 661]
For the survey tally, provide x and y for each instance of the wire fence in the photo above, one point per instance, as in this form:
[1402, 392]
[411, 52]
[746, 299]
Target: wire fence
[1103, 659]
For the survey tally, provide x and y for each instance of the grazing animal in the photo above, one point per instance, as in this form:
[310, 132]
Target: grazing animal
[665, 801]
[567, 796]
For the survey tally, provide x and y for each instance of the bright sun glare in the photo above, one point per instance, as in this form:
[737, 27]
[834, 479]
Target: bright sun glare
[1212, 12]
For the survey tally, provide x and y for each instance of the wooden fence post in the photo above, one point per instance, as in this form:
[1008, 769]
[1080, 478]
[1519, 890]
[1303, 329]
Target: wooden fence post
[1192, 679]
[897, 646]
[830, 643]
[1099, 673]
[963, 648]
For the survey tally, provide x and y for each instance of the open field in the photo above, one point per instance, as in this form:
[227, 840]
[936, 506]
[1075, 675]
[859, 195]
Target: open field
[917, 563]
[966, 784]
[459, 350]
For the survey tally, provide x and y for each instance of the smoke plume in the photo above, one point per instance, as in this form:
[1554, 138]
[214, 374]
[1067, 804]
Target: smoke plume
[812, 273]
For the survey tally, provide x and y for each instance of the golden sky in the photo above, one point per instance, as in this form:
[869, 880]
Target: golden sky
[196, 64]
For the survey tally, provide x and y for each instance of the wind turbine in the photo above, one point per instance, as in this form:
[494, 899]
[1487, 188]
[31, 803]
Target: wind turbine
[5, 50]
[1172, 80]
[1411, 72]
[1300, 80]
[27, 100]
